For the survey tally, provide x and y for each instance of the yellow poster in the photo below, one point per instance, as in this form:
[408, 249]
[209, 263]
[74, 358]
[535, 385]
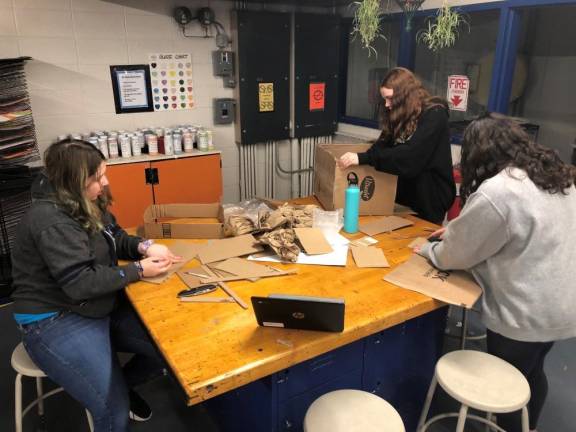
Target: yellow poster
[265, 97]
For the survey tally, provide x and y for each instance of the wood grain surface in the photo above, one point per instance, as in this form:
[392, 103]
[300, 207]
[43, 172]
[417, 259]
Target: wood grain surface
[213, 348]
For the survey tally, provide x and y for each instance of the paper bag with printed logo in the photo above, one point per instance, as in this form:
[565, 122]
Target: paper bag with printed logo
[454, 287]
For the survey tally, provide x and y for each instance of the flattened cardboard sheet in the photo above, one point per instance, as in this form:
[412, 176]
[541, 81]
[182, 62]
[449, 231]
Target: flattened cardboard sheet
[369, 256]
[219, 250]
[187, 251]
[240, 266]
[313, 241]
[418, 241]
[385, 224]
[453, 287]
[364, 241]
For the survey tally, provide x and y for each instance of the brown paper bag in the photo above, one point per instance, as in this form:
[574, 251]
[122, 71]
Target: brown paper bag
[454, 287]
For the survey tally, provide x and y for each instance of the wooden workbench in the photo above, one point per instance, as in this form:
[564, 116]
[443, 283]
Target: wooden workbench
[214, 348]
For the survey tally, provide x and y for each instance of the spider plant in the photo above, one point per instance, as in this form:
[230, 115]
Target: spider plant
[366, 23]
[444, 29]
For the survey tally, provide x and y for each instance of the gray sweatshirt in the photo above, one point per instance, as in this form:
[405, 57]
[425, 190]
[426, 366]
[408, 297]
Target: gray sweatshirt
[519, 243]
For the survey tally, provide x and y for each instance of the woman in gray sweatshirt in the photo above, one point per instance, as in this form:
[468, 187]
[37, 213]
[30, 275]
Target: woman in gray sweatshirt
[516, 236]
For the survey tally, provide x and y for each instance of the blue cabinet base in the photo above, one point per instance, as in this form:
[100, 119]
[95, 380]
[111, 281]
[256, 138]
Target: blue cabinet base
[396, 364]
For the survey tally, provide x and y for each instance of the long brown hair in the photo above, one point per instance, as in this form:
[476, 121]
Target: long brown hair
[69, 165]
[409, 99]
[494, 142]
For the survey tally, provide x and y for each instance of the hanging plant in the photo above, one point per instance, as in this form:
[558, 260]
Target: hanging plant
[366, 23]
[443, 30]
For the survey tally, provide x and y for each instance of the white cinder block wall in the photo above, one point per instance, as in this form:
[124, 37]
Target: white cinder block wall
[73, 43]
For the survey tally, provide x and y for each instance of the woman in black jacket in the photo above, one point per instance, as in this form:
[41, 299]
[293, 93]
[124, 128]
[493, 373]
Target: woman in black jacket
[68, 288]
[414, 145]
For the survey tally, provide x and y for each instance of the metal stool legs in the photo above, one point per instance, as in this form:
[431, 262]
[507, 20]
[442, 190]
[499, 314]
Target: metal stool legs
[19, 413]
[462, 415]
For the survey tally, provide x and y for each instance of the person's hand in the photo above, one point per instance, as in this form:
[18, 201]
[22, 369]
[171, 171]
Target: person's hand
[154, 266]
[439, 233]
[157, 250]
[347, 160]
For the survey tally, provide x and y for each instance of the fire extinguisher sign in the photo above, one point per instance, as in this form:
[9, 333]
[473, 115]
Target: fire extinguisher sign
[458, 86]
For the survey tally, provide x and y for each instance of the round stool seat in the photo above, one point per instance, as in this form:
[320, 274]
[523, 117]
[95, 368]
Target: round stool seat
[352, 411]
[483, 381]
[23, 364]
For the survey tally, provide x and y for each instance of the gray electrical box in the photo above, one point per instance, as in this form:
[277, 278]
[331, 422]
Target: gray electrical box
[223, 63]
[223, 110]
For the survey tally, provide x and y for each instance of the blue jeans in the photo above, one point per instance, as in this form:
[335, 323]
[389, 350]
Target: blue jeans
[79, 354]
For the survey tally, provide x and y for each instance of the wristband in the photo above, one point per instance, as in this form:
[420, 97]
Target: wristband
[139, 267]
[144, 245]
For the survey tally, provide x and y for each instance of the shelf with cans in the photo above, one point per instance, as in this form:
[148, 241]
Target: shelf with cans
[149, 143]
[158, 166]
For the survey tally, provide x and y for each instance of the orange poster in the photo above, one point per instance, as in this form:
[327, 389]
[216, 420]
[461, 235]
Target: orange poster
[317, 96]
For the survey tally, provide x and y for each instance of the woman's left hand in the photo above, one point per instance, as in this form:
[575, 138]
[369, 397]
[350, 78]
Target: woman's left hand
[161, 251]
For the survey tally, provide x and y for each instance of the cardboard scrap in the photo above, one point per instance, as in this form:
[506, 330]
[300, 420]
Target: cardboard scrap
[219, 250]
[369, 257]
[186, 250]
[453, 287]
[249, 276]
[418, 241]
[364, 241]
[385, 224]
[313, 241]
[239, 266]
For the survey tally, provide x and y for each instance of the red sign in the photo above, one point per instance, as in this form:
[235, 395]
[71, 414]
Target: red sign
[317, 96]
[458, 86]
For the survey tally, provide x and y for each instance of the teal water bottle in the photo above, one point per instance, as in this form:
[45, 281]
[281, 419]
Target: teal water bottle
[352, 204]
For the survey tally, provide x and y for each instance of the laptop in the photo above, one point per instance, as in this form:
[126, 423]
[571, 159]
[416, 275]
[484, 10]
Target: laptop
[300, 312]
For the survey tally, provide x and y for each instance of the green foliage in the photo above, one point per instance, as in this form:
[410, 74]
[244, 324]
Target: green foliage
[443, 31]
[366, 23]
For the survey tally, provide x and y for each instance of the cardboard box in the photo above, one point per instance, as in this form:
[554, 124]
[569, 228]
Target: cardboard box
[206, 221]
[377, 189]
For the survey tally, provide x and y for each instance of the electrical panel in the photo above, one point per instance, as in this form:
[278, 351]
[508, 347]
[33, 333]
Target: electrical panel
[315, 80]
[223, 110]
[223, 65]
[262, 46]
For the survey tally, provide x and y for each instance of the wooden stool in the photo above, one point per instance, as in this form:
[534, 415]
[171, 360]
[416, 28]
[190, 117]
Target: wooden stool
[24, 366]
[352, 411]
[480, 381]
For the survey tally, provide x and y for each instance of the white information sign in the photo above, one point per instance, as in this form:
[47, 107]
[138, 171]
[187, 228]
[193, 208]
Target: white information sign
[132, 88]
[458, 87]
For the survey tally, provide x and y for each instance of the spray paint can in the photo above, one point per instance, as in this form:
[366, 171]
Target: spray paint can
[177, 141]
[210, 140]
[125, 146]
[152, 142]
[168, 144]
[113, 147]
[135, 144]
[103, 146]
[188, 142]
[202, 141]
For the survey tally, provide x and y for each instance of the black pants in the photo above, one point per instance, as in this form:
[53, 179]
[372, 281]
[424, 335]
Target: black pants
[528, 358]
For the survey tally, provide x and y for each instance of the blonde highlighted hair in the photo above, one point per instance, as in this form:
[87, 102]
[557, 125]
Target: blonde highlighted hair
[69, 165]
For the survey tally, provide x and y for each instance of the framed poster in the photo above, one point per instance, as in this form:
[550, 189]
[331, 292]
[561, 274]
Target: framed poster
[131, 86]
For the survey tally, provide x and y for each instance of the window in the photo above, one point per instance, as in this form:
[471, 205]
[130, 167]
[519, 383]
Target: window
[472, 55]
[364, 73]
[544, 85]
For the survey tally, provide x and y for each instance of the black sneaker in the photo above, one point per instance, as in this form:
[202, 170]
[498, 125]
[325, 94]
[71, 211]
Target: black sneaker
[139, 409]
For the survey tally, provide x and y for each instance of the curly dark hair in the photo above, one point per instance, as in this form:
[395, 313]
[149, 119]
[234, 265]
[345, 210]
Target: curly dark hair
[494, 142]
[409, 99]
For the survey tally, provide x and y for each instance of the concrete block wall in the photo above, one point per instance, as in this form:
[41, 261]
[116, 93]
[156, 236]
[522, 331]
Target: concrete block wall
[73, 43]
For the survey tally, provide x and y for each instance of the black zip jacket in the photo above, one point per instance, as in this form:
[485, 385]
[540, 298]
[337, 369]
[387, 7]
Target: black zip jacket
[423, 165]
[58, 266]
